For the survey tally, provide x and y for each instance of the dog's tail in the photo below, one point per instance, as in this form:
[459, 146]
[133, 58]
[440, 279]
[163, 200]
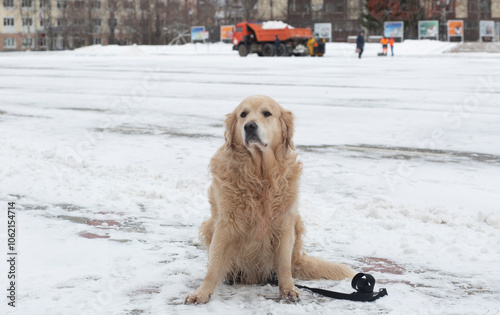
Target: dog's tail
[307, 268]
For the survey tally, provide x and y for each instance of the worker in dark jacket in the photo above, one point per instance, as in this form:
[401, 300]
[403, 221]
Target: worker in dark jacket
[360, 43]
[277, 45]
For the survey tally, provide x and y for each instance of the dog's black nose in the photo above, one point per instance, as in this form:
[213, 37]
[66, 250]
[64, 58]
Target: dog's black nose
[250, 126]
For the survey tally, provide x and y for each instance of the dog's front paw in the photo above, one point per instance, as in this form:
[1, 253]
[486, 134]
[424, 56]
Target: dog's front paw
[292, 294]
[197, 298]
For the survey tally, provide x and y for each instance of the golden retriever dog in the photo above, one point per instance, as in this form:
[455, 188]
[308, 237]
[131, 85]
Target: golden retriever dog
[255, 231]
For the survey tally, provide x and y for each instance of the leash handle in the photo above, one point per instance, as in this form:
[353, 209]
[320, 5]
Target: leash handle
[362, 283]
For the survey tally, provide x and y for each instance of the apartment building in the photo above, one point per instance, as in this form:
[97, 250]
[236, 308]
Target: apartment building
[51, 24]
[68, 24]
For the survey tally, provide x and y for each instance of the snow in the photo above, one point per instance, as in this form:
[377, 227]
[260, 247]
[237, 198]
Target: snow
[334, 50]
[105, 152]
[273, 25]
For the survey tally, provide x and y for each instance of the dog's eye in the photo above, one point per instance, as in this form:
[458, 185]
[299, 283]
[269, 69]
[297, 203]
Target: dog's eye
[266, 114]
[243, 115]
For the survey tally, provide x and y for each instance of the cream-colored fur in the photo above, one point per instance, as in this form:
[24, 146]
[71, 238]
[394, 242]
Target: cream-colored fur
[255, 229]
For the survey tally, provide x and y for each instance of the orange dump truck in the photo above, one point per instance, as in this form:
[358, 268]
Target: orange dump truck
[257, 38]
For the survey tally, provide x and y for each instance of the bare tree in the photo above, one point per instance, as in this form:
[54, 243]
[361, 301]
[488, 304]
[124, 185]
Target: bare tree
[113, 7]
[46, 20]
[249, 9]
[133, 21]
[25, 10]
[178, 21]
[146, 22]
[63, 22]
[79, 27]
[89, 23]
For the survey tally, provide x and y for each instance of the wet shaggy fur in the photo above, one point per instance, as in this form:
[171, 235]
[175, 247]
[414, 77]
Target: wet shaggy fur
[255, 230]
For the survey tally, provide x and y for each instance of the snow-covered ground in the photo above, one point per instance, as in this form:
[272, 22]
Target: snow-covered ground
[105, 152]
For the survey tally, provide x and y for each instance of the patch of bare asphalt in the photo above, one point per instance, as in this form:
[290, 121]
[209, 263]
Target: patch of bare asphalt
[83, 109]
[97, 228]
[2, 112]
[461, 285]
[153, 130]
[491, 47]
[100, 227]
[404, 153]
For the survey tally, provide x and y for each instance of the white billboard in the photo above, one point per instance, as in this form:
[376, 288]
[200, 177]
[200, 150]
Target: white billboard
[486, 29]
[428, 29]
[197, 33]
[323, 30]
[394, 29]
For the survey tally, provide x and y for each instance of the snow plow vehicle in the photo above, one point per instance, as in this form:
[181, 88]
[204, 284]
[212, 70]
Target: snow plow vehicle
[260, 38]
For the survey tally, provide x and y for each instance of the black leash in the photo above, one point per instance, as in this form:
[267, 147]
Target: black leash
[363, 284]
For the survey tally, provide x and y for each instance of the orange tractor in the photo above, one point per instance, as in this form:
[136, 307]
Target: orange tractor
[253, 38]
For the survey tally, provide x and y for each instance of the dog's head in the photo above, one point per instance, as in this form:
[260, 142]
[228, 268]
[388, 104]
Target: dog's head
[259, 123]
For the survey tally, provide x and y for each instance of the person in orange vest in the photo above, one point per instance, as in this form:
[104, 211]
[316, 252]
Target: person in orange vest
[391, 43]
[384, 42]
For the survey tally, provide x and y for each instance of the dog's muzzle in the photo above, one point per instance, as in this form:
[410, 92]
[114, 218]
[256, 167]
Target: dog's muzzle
[251, 133]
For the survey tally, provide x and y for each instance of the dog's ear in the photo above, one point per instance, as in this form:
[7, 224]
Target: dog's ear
[287, 128]
[230, 124]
